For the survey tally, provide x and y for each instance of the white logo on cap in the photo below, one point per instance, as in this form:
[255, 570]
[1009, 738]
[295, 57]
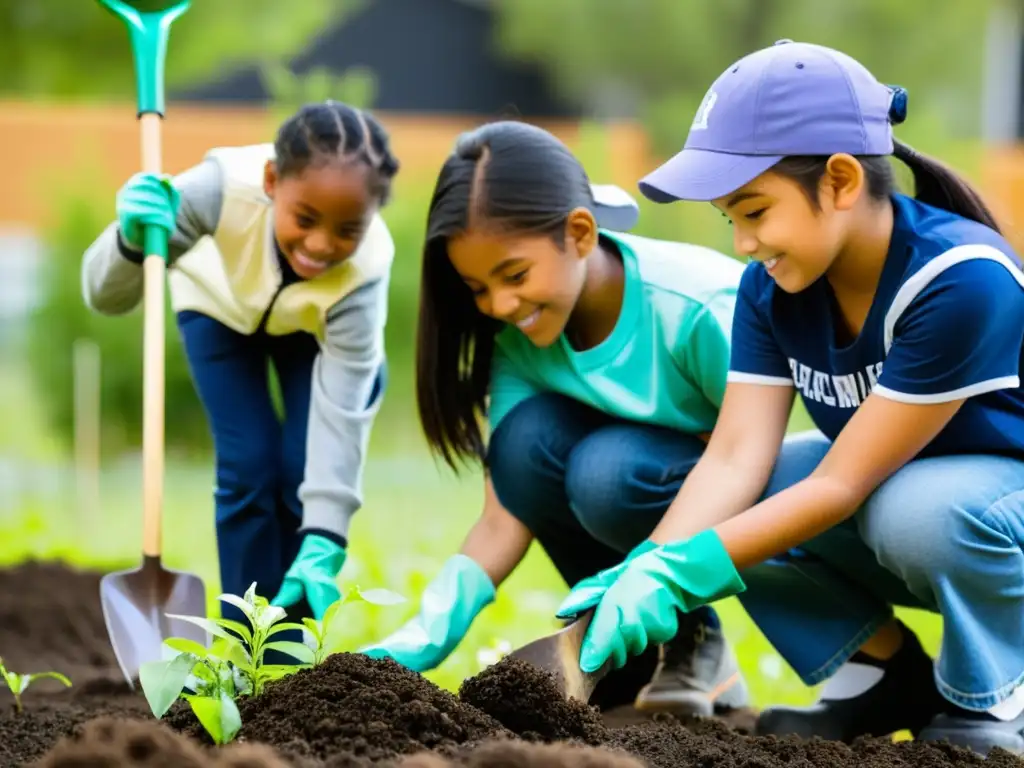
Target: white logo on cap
[700, 120]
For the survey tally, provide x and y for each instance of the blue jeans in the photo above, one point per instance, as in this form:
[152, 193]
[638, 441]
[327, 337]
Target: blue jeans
[589, 487]
[260, 458]
[943, 534]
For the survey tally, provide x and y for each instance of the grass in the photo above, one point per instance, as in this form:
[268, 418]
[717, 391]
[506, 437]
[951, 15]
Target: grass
[414, 517]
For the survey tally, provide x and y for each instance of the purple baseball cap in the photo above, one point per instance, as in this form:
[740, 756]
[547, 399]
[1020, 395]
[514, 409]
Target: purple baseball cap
[787, 99]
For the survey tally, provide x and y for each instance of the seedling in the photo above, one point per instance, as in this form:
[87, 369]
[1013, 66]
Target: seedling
[233, 665]
[209, 673]
[20, 683]
[325, 635]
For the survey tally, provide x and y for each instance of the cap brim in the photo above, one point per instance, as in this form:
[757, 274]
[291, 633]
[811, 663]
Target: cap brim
[701, 175]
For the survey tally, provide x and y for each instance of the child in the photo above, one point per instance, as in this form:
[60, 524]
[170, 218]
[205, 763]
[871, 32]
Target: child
[603, 364]
[278, 256]
[900, 321]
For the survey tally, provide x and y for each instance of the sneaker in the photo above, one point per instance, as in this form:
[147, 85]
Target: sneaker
[697, 673]
[866, 697]
[977, 731]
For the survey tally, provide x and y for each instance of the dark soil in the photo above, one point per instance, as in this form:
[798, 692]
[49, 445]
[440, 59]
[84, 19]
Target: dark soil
[354, 712]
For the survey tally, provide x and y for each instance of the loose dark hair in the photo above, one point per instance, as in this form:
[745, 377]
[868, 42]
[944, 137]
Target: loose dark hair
[331, 130]
[511, 177]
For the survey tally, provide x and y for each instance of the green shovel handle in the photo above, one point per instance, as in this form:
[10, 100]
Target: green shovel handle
[149, 32]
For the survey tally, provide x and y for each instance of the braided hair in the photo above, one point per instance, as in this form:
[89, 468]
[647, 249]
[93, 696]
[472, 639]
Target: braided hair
[331, 130]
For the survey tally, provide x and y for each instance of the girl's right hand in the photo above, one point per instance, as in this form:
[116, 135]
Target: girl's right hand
[145, 200]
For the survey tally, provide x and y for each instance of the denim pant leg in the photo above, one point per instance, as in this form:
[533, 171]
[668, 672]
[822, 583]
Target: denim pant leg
[527, 457]
[621, 478]
[942, 534]
[952, 529]
[229, 371]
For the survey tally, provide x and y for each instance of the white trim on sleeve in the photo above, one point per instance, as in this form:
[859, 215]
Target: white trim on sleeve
[972, 390]
[911, 289]
[739, 377]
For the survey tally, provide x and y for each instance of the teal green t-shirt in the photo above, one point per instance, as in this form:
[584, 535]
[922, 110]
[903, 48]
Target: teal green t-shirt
[666, 360]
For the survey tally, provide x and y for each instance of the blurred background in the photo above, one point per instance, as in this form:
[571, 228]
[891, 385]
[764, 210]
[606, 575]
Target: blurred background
[618, 80]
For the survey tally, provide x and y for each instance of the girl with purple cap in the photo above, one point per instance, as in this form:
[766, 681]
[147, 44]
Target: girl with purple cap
[899, 320]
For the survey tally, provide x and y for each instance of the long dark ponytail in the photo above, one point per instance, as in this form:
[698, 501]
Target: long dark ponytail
[935, 183]
[511, 177]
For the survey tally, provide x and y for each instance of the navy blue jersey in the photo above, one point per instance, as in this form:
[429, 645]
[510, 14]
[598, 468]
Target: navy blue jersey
[947, 322]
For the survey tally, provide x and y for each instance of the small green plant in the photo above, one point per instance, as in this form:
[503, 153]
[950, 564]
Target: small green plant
[233, 665]
[325, 635]
[209, 674]
[20, 683]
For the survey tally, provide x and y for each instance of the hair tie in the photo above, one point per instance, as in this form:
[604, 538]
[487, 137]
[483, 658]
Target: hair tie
[898, 104]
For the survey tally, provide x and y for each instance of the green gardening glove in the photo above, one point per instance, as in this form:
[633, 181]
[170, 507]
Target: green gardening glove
[146, 200]
[449, 604]
[313, 574]
[642, 606]
[588, 592]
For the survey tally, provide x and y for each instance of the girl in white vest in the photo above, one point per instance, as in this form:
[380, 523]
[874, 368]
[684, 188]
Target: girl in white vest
[278, 255]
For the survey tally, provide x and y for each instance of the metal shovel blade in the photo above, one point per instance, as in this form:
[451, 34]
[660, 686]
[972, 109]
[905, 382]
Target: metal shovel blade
[559, 654]
[135, 607]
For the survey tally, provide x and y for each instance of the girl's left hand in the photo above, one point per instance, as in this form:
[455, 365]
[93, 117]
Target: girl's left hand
[641, 606]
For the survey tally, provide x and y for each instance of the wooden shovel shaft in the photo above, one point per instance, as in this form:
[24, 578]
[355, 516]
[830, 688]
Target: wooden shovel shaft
[152, 362]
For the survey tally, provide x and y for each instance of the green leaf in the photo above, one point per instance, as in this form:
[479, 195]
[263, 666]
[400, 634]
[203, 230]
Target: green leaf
[380, 596]
[239, 656]
[237, 626]
[243, 605]
[300, 651]
[286, 626]
[21, 683]
[43, 675]
[332, 610]
[163, 681]
[210, 625]
[314, 627]
[12, 680]
[232, 650]
[277, 671]
[269, 616]
[219, 716]
[184, 645]
[250, 595]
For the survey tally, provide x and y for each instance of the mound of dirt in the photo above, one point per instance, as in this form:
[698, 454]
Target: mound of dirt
[120, 743]
[371, 709]
[354, 712]
[526, 701]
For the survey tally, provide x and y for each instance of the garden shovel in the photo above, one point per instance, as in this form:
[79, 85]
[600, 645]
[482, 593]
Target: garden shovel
[136, 602]
[559, 654]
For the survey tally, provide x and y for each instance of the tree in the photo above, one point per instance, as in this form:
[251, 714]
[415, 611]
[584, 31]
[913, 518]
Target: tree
[660, 56]
[75, 48]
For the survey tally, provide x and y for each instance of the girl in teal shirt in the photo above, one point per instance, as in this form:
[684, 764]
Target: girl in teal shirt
[599, 360]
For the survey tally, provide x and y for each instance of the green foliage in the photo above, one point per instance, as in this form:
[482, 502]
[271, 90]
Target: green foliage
[327, 634]
[62, 317]
[356, 86]
[213, 680]
[233, 665]
[18, 684]
[667, 52]
[57, 48]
